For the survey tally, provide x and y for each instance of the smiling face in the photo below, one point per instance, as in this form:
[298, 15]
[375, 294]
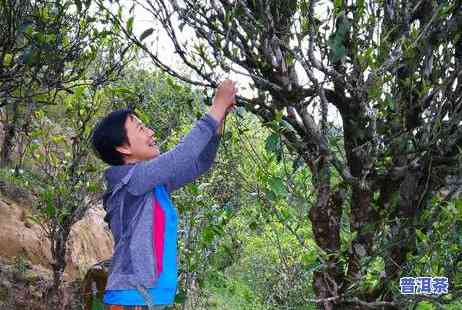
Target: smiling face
[142, 145]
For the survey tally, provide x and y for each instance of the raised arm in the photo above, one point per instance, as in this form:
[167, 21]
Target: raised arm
[174, 163]
[191, 156]
[196, 167]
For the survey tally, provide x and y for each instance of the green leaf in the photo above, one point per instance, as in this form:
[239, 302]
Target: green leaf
[336, 40]
[272, 143]
[425, 305]
[270, 195]
[7, 59]
[146, 33]
[57, 139]
[208, 235]
[194, 189]
[309, 258]
[130, 24]
[338, 52]
[338, 5]
[277, 186]
[28, 57]
[50, 211]
[285, 214]
[360, 6]
[421, 235]
[337, 48]
[305, 26]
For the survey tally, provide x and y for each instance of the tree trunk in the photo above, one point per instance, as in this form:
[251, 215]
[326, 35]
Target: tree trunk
[325, 218]
[58, 252]
[10, 133]
[361, 223]
[403, 226]
[23, 140]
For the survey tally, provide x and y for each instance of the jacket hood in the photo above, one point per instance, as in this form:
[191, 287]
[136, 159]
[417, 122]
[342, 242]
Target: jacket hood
[114, 175]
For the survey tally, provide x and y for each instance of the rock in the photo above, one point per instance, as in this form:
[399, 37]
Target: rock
[90, 240]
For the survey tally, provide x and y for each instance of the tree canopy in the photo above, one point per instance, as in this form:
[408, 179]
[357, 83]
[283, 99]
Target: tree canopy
[340, 169]
[391, 70]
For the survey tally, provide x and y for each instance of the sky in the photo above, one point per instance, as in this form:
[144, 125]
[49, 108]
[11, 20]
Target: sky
[160, 43]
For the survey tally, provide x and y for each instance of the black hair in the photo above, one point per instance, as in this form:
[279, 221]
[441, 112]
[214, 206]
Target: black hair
[109, 133]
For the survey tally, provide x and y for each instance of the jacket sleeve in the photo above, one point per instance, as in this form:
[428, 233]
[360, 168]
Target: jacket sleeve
[186, 161]
[197, 167]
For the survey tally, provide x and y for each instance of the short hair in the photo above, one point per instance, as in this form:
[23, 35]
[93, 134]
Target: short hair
[110, 133]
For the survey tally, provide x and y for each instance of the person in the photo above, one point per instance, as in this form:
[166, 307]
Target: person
[139, 211]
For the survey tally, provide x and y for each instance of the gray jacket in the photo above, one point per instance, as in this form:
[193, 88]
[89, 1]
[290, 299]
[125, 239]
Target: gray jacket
[129, 197]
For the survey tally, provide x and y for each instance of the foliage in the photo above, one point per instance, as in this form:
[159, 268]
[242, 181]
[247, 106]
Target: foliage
[55, 57]
[66, 178]
[302, 209]
[392, 73]
[47, 48]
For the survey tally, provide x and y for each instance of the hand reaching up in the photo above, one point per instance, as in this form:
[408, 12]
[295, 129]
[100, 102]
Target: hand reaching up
[224, 99]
